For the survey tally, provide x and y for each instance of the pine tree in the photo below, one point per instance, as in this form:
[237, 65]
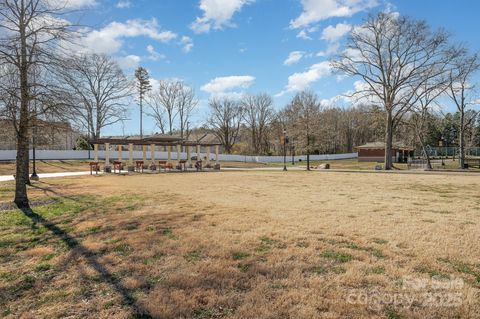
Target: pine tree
[143, 86]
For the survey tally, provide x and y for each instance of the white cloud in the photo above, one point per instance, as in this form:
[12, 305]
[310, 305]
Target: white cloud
[72, 4]
[108, 40]
[154, 55]
[187, 44]
[331, 49]
[129, 62]
[228, 84]
[334, 33]
[217, 14]
[303, 34]
[302, 80]
[318, 10]
[294, 57]
[124, 4]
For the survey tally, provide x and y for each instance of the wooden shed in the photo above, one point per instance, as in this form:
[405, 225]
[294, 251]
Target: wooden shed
[375, 152]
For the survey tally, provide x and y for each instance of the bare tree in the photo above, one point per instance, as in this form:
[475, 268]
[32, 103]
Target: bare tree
[97, 92]
[164, 101]
[186, 102]
[157, 112]
[143, 87]
[462, 92]
[30, 36]
[302, 116]
[394, 56]
[225, 120]
[258, 115]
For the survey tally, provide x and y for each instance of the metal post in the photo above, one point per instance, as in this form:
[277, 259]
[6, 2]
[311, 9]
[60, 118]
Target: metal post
[34, 173]
[284, 150]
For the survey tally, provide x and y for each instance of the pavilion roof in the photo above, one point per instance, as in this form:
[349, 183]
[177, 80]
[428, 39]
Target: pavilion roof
[157, 139]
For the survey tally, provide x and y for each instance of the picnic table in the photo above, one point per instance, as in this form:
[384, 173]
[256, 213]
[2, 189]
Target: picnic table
[139, 166]
[183, 165]
[94, 166]
[117, 164]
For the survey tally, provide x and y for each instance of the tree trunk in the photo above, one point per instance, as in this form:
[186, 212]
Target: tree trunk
[424, 149]
[388, 141]
[22, 178]
[461, 155]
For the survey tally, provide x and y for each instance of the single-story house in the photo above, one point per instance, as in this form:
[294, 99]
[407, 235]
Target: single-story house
[375, 152]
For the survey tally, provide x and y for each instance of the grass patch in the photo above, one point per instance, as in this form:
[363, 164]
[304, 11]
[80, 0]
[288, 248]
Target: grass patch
[463, 268]
[193, 256]
[380, 241]
[243, 267]
[431, 272]
[43, 267]
[323, 270]
[377, 271]
[123, 249]
[337, 256]
[168, 233]
[240, 255]
[393, 314]
[153, 259]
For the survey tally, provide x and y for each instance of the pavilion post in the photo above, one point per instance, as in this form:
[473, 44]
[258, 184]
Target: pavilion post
[152, 153]
[169, 150]
[95, 150]
[152, 157]
[216, 154]
[189, 158]
[107, 158]
[144, 149]
[198, 153]
[179, 149]
[120, 149]
[130, 154]
[208, 154]
[131, 168]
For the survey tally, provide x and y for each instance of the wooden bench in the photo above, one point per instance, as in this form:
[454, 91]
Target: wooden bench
[94, 166]
[165, 165]
[198, 165]
[473, 162]
[183, 165]
[117, 164]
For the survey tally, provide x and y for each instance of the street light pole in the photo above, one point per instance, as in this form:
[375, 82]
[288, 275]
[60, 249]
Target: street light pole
[34, 175]
[293, 152]
[284, 150]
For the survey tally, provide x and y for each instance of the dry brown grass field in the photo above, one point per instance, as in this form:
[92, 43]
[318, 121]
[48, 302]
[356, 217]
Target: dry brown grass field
[244, 245]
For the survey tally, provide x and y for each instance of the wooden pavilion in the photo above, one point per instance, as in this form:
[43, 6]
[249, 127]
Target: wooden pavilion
[152, 142]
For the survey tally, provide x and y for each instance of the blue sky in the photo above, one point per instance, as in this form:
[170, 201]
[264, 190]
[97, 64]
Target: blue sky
[229, 47]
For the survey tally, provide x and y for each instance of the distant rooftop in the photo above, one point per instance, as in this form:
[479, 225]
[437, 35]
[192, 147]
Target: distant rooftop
[381, 145]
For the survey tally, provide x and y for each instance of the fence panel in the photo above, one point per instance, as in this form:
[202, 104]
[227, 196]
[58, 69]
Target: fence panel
[113, 154]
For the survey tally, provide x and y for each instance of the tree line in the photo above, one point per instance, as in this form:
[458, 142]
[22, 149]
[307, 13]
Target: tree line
[407, 70]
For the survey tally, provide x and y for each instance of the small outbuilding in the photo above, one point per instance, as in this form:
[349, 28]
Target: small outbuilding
[375, 152]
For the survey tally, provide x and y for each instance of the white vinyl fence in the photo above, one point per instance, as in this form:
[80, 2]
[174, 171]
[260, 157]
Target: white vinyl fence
[84, 155]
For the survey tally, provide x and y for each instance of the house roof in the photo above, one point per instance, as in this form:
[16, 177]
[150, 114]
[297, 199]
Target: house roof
[381, 146]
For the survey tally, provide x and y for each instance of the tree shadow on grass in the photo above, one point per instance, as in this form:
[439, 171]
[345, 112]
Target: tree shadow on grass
[48, 190]
[91, 258]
